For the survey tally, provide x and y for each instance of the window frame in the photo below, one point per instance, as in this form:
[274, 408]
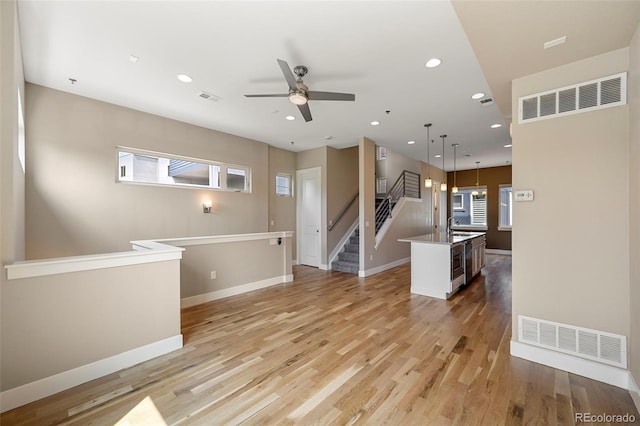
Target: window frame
[223, 167]
[477, 227]
[289, 177]
[502, 227]
[453, 205]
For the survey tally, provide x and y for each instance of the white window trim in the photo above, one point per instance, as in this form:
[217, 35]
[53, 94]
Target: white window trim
[288, 176]
[461, 202]
[502, 227]
[223, 170]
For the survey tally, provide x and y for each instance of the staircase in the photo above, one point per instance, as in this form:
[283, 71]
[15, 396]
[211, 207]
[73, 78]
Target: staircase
[407, 185]
[349, 257]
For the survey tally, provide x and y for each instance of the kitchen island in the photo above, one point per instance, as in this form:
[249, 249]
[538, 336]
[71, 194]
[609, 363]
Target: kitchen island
[443, 262]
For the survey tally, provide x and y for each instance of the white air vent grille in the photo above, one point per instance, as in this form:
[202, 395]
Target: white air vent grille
[604, 92]
[595, 345]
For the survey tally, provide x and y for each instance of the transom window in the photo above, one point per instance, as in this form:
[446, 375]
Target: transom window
[138, 166]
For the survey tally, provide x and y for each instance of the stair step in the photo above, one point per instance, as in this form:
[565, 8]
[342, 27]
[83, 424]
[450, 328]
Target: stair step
[349, 257]
[354, 240]
[352, 248]
[339, 265]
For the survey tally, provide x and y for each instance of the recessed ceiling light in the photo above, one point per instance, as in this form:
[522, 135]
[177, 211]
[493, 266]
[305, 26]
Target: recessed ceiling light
[411, 142]
[508, 145]
[438, 155]
[495, 126]
[328, 137]
[478, 95]
[184, 78]
[133, 58]
[375, 123]
[433, 62]
[290, 117]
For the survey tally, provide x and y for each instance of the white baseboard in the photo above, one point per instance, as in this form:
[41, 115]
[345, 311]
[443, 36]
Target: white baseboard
[42, 388]
[377, 269]
[323, 267]
[233, 291]
[634, 390]
[583, 367]
[294, 262]
[497, 251]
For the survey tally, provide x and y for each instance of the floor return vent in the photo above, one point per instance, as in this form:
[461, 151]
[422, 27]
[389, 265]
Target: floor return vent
[605, 92]
[595, 345]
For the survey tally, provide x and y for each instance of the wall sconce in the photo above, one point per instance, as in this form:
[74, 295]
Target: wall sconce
[206, 206]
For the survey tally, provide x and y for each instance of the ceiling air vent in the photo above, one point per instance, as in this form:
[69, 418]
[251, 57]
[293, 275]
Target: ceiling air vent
[604, 92]
[595, 345]
[209, 96]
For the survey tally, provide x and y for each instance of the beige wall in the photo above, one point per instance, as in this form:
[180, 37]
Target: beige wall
[342, 185]
[282, 210]
[412, 219]
[236, 263]
[75, 206]
[492, 178]
[570, 245]
[634, 203]
[394, 165]
[54, 323]
[12, 244]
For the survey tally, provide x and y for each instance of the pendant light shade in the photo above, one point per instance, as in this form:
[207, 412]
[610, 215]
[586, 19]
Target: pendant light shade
[443, 185]
[455, 186]
[428, 183]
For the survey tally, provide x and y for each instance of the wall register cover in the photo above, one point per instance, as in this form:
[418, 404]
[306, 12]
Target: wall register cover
[605, 92]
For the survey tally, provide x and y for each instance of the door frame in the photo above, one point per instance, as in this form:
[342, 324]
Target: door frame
[317, 172]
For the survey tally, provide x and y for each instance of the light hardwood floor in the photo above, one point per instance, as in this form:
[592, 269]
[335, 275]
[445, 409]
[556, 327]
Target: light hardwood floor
[332, 348]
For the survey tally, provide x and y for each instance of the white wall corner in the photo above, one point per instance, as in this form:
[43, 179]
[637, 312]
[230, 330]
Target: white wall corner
[324, 267]
[42, 388]
[583, 367]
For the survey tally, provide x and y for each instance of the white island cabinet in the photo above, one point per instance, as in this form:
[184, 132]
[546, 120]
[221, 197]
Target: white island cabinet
[438, 262]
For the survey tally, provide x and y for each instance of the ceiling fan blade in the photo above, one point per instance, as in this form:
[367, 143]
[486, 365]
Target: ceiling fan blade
[288, 75]
[306, 112]
[330, 96]
[277, 95]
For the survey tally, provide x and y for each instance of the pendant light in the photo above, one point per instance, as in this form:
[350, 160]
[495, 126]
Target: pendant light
[477, 190]
[428, 183]
[443, 185]
[455, 186]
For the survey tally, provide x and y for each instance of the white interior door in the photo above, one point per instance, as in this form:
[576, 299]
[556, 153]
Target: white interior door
[309, 205]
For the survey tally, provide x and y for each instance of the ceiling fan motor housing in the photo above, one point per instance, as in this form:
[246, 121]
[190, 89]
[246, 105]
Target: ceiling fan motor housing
[300, 71]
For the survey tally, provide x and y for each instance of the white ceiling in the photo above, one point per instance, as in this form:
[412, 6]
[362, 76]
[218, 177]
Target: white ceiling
[375, 49]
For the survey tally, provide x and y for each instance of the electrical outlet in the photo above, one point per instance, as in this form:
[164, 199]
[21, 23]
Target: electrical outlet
[213, 275]
[273, 222]
[370, 257]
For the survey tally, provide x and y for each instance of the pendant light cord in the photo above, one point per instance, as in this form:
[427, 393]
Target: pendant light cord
[428, 126]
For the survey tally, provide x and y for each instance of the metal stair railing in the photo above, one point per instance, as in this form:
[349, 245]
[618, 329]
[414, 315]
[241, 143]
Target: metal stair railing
[407, 185]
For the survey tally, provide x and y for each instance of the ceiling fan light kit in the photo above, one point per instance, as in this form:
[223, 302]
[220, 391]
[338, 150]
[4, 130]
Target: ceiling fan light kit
[299, 94]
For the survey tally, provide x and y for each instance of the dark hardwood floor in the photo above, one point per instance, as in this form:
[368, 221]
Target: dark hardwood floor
[332, 348]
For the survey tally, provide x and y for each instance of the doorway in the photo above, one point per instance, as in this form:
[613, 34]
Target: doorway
[308, 207]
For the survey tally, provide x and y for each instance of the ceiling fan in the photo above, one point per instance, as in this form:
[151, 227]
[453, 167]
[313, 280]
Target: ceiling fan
[299, 94]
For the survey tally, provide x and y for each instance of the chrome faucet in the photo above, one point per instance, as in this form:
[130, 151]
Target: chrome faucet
[449, 224]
